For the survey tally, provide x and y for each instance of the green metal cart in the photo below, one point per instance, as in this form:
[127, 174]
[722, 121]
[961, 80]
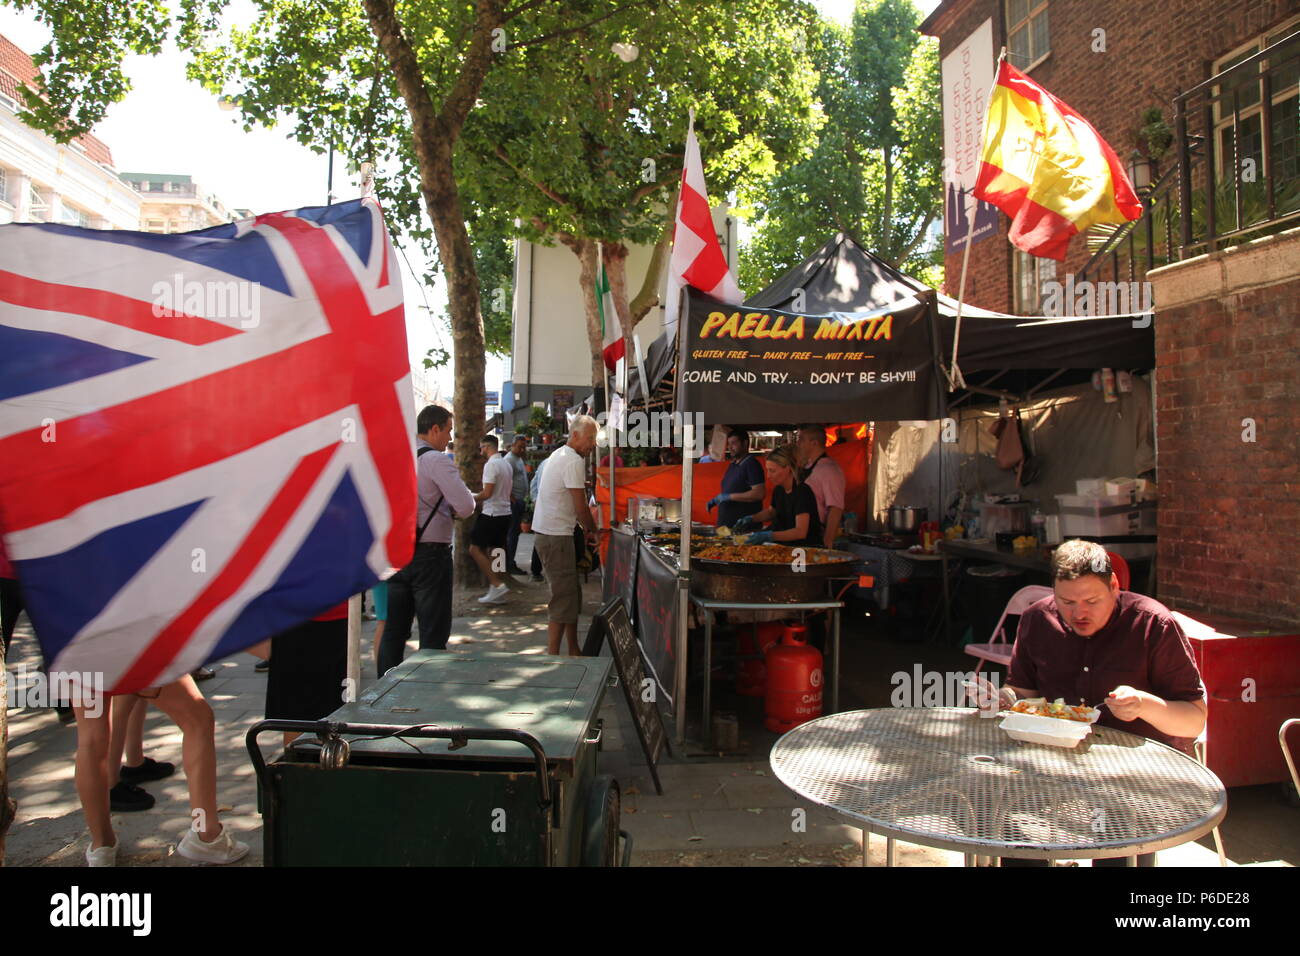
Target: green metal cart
[451, 759]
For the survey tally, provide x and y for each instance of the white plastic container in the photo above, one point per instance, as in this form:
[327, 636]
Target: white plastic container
[1051, 731]
[1010, 518]
[1121, 486]
[1090, 487]
[1106, 515]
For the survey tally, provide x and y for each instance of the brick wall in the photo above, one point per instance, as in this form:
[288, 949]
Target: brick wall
[1229, 520]
[1152, 52]
[1227, 325]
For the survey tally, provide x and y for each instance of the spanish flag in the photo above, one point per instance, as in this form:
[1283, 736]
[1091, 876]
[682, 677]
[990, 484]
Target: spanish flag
[1045, 166]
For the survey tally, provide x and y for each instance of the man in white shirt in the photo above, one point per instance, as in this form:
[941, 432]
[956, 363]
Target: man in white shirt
[487, 539]
[561, 503]
[825, 477]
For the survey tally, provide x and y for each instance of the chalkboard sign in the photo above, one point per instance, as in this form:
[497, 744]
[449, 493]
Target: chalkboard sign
[656, 616]
[620, 568]
[613, 622]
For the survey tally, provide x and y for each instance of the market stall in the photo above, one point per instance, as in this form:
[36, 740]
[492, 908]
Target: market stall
[866, 344]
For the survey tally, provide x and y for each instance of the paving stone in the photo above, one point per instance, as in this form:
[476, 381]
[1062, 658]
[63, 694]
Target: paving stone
[659, 831]
[740, 828]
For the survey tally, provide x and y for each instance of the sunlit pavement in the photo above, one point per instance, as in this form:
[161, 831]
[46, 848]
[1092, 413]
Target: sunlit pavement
[713, 812]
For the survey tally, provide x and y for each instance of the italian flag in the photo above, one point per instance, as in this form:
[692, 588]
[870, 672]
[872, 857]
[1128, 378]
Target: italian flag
[1047, 168]
[613, 346]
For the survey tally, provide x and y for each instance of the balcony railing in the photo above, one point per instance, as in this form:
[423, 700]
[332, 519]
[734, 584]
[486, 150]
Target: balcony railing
[1235, 174]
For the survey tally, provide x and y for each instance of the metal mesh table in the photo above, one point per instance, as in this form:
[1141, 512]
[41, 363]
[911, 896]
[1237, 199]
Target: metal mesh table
[948, 778]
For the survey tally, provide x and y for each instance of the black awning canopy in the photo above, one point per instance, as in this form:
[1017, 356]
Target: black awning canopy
[841, 280]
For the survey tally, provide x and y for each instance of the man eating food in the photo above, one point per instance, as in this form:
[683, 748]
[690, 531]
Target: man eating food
[1091, 643]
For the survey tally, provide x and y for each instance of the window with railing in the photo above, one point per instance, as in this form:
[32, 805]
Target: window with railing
[1028, 274]
[1028, 37]
[4, 185]
[72, 216]
[1232, 170]
[1239, 113]
[38, 204]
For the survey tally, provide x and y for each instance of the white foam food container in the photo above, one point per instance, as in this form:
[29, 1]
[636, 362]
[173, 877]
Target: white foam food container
[1051, 731]
[1121, 486]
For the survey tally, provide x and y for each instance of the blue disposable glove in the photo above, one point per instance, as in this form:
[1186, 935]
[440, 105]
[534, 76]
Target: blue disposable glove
[713, 502]
[759, 537]
[743, 522]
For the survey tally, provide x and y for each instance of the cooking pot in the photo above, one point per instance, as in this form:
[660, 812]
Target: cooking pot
[905, 520]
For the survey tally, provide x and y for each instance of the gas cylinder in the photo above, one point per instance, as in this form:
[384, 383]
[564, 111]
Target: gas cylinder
[794, 681]
[751, 672]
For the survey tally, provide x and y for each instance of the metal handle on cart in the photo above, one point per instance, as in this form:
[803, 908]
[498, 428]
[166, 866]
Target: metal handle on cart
[459, 737]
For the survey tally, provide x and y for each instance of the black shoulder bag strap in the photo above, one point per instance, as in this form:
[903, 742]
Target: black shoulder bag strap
[432, 511]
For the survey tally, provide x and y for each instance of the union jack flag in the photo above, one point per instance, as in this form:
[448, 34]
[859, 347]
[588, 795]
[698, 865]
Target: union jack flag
[205, 438]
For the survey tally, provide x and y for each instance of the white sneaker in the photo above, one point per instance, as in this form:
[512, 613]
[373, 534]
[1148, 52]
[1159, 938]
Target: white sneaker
[103, 856]
[496, 595]
[224, 849]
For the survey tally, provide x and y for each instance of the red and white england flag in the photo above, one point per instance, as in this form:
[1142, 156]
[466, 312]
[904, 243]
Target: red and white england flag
[697, 255]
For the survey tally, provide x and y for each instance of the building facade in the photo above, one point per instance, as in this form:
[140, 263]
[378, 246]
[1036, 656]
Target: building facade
[45, 181]
[550, 355]
[1202, 94]
[171, 202]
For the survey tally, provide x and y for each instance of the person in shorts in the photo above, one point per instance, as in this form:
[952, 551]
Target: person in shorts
[561, 504]
[379, 594]
[487, 539]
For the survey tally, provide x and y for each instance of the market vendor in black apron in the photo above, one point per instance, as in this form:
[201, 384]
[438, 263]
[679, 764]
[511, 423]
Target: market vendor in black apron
[793, 512]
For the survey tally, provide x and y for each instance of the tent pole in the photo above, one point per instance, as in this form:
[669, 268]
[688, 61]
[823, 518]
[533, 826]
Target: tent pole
[684, 555]
[955, 380]
[611, 437]
[353, 683]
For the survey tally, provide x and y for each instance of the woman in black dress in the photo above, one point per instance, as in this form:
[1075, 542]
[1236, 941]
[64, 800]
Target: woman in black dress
[310, 665]
[793, 512]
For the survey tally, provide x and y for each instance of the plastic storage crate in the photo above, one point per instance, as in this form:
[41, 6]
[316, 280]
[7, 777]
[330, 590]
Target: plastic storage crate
[1105, 516]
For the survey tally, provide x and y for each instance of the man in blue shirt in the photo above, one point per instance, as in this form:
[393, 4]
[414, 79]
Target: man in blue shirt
[518, 494]
[743, 485]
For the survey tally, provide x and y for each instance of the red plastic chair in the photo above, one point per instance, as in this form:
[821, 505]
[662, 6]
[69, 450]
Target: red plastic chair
[1120, 567]
[998, 650]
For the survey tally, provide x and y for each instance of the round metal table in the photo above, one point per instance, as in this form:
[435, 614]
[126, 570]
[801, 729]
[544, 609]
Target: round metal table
[951, 779]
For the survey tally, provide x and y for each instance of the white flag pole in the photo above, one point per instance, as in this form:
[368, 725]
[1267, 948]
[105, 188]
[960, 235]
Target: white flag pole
[353, 683]
[955, 379]
[640, 368]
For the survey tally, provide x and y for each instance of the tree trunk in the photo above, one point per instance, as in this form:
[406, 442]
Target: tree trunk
[614, 256]
[589, 262]
[588, 270]
[648, 297]
[434, 134]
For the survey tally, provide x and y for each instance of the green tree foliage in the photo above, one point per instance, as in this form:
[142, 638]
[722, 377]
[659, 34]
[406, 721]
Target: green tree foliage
[585, 147]
[876, 171]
